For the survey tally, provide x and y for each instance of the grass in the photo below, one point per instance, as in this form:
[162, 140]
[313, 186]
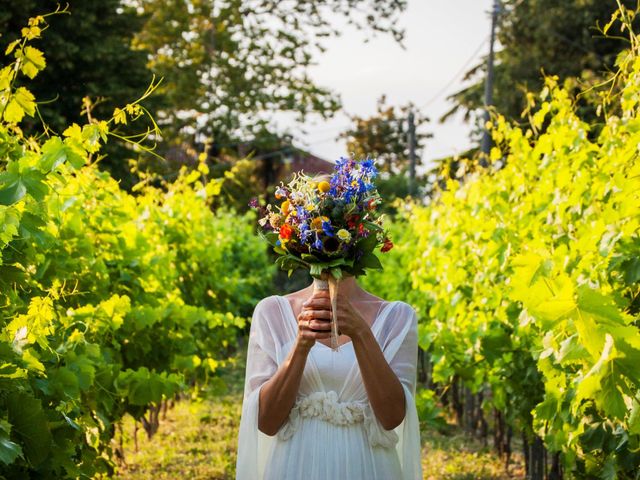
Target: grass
[197, 441]
[456, 456]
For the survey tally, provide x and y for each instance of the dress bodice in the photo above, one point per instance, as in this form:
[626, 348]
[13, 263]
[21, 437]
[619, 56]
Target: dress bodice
[334, 367]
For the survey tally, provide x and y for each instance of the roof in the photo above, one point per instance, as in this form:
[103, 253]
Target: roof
[301, 160]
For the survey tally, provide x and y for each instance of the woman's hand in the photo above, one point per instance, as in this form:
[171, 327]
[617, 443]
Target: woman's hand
[350, 321]
[314, 321]
[318, 310]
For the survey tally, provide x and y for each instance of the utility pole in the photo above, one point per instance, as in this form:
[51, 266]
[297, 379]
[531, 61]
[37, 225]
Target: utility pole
[412, 153]
[488, 87]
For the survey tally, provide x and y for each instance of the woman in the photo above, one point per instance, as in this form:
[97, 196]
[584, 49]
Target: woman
[313, 413]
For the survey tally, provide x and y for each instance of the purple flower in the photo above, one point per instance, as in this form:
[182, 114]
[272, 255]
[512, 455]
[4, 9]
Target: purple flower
[253, 203]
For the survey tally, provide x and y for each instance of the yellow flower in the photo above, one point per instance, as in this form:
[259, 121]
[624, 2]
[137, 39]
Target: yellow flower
[285, 207]
[344, 235]
[324, 186]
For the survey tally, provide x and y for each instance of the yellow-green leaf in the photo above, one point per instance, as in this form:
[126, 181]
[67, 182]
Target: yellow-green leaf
[32, 61]
[11, 47]
[119, 116]
[13, 113]
[26, 100]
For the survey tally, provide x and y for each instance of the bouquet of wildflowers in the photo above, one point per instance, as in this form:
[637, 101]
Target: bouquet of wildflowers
[329, 227]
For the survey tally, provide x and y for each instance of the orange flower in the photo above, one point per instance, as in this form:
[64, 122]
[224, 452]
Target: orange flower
[286, 231]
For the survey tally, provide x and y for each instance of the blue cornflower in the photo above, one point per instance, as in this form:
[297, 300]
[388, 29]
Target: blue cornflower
[305, 233]
[362, 186]
[340, 164]
[327, 229]
[367, 164]
[348, 195]
[336, 183]
[368, 168]
[302, 212]
[318, 243]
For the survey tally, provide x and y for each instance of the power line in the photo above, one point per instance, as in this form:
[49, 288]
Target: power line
[331, 129]
[316, 142]
[460, 72]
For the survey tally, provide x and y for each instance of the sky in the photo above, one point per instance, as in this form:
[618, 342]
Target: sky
[443, 38]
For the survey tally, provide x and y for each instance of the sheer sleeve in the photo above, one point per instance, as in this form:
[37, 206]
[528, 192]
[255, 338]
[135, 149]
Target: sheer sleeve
[400, 348]
[253, 445]
[404, 364]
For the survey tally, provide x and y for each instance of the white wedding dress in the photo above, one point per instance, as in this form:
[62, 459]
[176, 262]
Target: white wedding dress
[332, 432]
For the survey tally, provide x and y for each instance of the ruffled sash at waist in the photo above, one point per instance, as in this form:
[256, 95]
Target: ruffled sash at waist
[325, 406]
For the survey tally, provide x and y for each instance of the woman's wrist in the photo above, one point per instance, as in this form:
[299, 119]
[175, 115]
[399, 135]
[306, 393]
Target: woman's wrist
[302, 346]
[362, 335]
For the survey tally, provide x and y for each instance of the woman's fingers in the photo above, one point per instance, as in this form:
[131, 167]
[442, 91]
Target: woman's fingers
[315, 335]
[319, 301]
[317, 304]
[315, 319]
[315, 329]
[307, 315]
[320, 294]
[317, 314]
[319, 325]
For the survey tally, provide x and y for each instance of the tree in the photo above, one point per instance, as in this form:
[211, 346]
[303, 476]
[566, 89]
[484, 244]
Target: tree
[555, 37]
[228, 65]
[384, 136]
[88, 53]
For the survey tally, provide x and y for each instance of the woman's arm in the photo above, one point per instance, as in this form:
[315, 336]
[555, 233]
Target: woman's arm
[383, 387]
[278, 394]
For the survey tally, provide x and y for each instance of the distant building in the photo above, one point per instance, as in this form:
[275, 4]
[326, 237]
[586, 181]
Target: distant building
[275, 166]
[297, 160]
